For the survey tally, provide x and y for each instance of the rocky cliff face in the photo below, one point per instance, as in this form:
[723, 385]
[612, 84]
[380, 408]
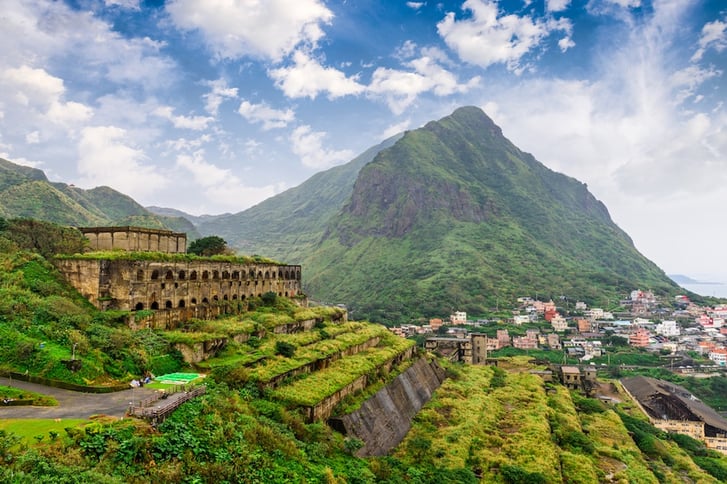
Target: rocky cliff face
[384, 419]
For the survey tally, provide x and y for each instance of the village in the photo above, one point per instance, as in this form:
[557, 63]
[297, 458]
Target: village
[678, 331]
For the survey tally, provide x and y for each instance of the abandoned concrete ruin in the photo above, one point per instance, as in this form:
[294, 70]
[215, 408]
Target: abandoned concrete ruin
[672, 408]
[177, 290]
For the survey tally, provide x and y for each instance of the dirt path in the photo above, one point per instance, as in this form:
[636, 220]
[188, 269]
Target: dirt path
[73, 404]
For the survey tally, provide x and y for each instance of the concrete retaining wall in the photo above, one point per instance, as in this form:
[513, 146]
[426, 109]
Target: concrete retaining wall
[384, 420]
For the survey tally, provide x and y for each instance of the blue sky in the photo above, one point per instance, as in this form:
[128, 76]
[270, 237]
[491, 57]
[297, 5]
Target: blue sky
[212, 106]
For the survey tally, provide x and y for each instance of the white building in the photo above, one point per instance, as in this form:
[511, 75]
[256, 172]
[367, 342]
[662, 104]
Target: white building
[668, 328]
[559, 323]
[459, 317]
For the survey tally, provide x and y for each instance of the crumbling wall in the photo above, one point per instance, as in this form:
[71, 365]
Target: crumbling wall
[384, 419]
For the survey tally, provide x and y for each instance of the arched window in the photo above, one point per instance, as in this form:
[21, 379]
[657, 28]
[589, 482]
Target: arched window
[215, 274]
[225, 275]
[139, 306]
[193, 275]
[280, 273]
[168, 304]
[155, 274]
[181, 303]
[224, 298]
[205, 275]
[260, 274]
[140, 275]
[252, 274]
[155, 305]
[182, 275]
[267, 275]
[205, 301]
[235, 274]
[215, 298]
[169, 275]
[234, 297]
[193, 301]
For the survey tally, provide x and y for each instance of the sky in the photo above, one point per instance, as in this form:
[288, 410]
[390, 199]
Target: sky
[213, 106]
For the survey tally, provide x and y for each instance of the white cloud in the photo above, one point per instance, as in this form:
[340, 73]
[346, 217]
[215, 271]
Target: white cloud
[396, 129]
[128, 4]
[488, 37]
[308, 145]
[415, 5]
[308, 78]
[107, 157]
[714, 35]
[221, 185]
[196, 123]
[37, 90]
[269, 117]
[270, 29]
[566, 43]
[556, 5]
[401, 88]
[219, 93]
[32, 138]
[625, 3]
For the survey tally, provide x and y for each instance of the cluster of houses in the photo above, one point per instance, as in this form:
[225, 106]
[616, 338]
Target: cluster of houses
[644, 322]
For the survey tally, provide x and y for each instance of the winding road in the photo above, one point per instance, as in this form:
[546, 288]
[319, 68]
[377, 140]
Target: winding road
[73, 404]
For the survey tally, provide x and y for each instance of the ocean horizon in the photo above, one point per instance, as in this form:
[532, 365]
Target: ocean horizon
[714, 290]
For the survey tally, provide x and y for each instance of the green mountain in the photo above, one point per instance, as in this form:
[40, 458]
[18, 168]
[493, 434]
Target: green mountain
[452, 215]
[289, 224]
[26, 193]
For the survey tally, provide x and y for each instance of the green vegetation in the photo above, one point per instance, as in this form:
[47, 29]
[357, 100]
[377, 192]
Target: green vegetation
[13, 393]
[166, 257]
[208, 246]
[402, 241]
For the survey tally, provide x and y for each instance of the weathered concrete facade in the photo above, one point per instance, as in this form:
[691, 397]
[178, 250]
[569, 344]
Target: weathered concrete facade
[134, 285]
[135, 239]
[384, 419]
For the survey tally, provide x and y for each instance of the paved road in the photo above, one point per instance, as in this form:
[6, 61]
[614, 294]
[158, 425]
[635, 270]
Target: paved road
[73, 404]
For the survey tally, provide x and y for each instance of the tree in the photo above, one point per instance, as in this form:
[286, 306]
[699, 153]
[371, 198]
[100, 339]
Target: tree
[207, 246]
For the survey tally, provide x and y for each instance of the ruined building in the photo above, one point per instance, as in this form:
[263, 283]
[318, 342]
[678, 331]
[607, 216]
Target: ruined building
[179, 289]
[672, 408]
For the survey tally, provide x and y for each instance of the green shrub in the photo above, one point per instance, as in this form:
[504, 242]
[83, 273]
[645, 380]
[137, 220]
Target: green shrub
[284, 349]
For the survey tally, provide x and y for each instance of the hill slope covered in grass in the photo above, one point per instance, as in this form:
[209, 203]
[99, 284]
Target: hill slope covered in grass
[455, 216]
[26, 193]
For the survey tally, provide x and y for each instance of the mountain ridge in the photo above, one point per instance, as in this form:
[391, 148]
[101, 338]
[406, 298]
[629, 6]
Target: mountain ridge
[26, 192]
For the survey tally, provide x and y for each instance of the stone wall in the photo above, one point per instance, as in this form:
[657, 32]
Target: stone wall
[137, 239]
[384, 419]
[180, 290]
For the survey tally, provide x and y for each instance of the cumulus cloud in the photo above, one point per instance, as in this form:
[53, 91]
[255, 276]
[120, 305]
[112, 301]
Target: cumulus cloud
[308, 78]
[128, 4]
[269, 117]
[221, 184]
[308, 145]
[220, 91]
[557, 5]
[39, 91]
[106, 156]
[415, 5]
[401, 87]
[487, 37]
[269, 29]
[196, 123]
[396, 129]
[714, 35]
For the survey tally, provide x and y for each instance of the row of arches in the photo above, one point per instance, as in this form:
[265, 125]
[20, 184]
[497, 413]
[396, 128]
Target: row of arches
[182, 303]
[205, 275]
